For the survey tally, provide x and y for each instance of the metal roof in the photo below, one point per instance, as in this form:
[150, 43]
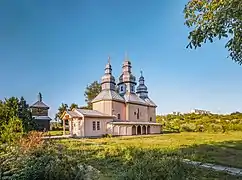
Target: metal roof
[39, 104]
[149, 102]
[42, 118]
[134, 98]
[73, 114]
[91, 113]
[108, 95]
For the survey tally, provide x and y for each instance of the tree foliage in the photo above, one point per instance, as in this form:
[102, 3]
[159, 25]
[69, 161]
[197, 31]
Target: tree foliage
[211, 19]
[202, 122]
[91, 92]
[14, 108]
[62, 108]
[12, 131]
[73, 106]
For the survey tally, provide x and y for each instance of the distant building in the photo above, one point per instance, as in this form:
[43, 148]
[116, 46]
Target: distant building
[199, 111]
[40, 114]
[176, 113]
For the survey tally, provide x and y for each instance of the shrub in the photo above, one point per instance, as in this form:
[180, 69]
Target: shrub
[12, 131]
[31, 141]
[41, 161]
[107, 135]
[216, 128]
[188, 127]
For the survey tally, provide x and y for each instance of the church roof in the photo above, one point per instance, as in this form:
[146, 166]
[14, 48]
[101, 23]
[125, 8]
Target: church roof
[133, 98]
[108, 95]
[73, 113]
[39, 104]
[91, 113]
[149, 102]
[42, 118]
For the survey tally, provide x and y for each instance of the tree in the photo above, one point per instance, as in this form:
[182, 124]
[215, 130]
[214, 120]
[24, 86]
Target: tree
[72, 106]
[63, 107]
[15, 108]
[91, 92]
[25, 115]
[12, 131]
[215, 19]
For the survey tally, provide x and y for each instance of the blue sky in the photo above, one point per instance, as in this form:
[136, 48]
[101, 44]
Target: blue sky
[58, 47]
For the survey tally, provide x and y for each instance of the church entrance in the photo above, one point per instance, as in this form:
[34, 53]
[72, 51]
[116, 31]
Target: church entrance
[138, 130]
[148, 130]
[133, 130]
[143, 130]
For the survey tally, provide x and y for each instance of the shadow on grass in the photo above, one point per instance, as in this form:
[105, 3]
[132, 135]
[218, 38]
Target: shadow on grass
[139, 163]
[227, 153]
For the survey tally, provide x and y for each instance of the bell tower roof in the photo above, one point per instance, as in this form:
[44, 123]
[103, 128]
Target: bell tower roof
[108, 86]
[39, 103]
[108, 80]
[127, 76]
[142, 90]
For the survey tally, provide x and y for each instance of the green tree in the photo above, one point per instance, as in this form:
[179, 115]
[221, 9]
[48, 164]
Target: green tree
[72, 106]
[13, 107]
[62, 108]
[215, 19]
[91, 92]
[12, 130]
[25, 115]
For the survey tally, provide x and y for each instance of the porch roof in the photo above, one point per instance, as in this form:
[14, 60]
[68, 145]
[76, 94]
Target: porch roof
[76, 113]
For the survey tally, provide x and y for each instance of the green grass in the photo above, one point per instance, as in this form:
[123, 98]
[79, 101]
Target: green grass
[113, 155]
[55, 133]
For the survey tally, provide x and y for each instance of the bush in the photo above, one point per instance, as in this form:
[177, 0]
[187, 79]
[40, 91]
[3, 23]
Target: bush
[34, 159]
[107, 135]
[12, 131]
[188, 127]
[215, 128]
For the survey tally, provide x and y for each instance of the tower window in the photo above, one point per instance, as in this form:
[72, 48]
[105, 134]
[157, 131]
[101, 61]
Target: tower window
[132, 88]
[150, 118]
[121, 88]
[118, 116]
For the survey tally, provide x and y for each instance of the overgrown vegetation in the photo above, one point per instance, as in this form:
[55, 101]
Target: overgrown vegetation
[15, 119]
[32, 158]
[141, 158]
[201, 123]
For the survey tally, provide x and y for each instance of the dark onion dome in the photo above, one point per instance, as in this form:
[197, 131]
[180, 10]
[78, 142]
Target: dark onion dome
[108, 86]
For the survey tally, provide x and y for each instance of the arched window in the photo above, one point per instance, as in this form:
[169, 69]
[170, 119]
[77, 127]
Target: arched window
[132, 88]
[121, 88]
[118, 116]
[150, 118]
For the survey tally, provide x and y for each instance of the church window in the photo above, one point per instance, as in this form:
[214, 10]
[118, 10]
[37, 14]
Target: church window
[138, 114]
[135, 113]
[94, 125]
[121, 88]
[98, 125]
[118, 116]
[132, 88]
[150, 118]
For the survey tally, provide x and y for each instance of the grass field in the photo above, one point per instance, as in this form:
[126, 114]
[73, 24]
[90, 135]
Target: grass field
[55, 133]
[112, 155]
